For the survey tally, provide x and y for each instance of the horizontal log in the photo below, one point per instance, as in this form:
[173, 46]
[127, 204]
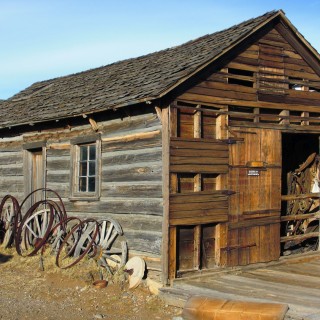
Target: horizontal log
[54, 164]
[300, 237]
[9, 159]
[266, 211]
[198, 160]
[144, 241]
[200, 196]
[59, 146]
[200, 99]
[12, 170]
[199, 144]
[227, 86]
[198, 220]
[133, 137]
[55, 153]
[199, 168]
[146, 171]
[254, 222]
[295, 217]
[139, 189]
[218, 205]
[291, 197]
[131, 156]
[118, 206]
[61, 176]
[216, 213]
[284, 128]
[242, 66]
[131, 145]
[133, 222]
[174, 152]
[223, 94]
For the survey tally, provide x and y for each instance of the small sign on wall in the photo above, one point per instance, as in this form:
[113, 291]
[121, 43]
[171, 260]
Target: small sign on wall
[253, 173]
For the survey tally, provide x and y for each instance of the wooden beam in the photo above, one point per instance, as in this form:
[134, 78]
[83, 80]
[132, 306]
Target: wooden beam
[132, 137]
[303, 50]
[165, 191]
[290, 197]
[172, 254]
[300, 217]
[300, 237]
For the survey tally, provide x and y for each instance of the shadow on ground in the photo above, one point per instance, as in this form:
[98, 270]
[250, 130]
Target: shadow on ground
[5, 258]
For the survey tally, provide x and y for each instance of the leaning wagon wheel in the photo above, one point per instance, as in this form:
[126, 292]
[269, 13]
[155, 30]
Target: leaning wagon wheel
[58, 204]
[59, 232]
[77, 243]
[34, 228]
[111, 247]
[9, 217]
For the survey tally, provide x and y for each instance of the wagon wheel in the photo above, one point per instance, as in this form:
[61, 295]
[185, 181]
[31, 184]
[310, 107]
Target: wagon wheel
[61, 211]
[77, 243]
[34, 229]
[9, 216]
[111, 247]
[59, 232]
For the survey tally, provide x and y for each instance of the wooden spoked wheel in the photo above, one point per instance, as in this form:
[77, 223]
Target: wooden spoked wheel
[34, 231]
[59, 232]
[111, 247]
[9, 216]
[77, 243]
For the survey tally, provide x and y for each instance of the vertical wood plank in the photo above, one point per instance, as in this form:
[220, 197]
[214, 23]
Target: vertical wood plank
[165, 191]
[305, 115]
[197, 247]
[172, 254]
[221, 242]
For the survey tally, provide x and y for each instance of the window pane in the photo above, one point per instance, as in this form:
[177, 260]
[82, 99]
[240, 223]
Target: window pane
[92, 152]
[92, 184]
[83, 153]
[92, 168]
[83, 184]
[83, 169]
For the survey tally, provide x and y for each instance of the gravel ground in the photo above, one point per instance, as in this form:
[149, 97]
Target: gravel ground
[26, 292]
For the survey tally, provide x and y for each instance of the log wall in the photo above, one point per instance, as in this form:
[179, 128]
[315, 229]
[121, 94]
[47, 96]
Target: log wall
[131, 176]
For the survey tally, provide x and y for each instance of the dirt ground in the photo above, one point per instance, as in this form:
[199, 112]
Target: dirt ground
[26, 292]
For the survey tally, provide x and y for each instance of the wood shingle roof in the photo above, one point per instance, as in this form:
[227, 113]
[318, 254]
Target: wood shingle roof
[123, 83]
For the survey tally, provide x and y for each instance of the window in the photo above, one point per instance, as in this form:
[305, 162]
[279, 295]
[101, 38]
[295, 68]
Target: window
[85, 169]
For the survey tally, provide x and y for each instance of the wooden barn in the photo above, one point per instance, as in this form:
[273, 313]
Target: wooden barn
[187, 148]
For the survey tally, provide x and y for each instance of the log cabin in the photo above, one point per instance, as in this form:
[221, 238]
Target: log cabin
[187, 148]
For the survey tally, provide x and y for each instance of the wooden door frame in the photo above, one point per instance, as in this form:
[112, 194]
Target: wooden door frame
[28, 156]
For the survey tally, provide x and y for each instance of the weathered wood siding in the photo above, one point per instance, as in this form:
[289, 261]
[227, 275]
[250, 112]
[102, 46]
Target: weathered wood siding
[11, 168]
[131, 176]
[262, 76]
[261, 91]
[254, 217]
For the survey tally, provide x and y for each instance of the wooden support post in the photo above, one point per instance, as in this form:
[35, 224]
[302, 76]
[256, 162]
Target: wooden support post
[197, 187]
[305, 115]
[172, 254]
[221, 242]
[165, 192]
[221, 231]
[256, 112]
[197, 247]
[221, 125]
[285, 113]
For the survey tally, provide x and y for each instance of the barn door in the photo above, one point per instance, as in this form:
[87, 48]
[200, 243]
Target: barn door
[34, 174]
[255, 176]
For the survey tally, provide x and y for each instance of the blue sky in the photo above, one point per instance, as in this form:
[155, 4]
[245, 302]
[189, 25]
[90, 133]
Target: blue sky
[45, 39]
